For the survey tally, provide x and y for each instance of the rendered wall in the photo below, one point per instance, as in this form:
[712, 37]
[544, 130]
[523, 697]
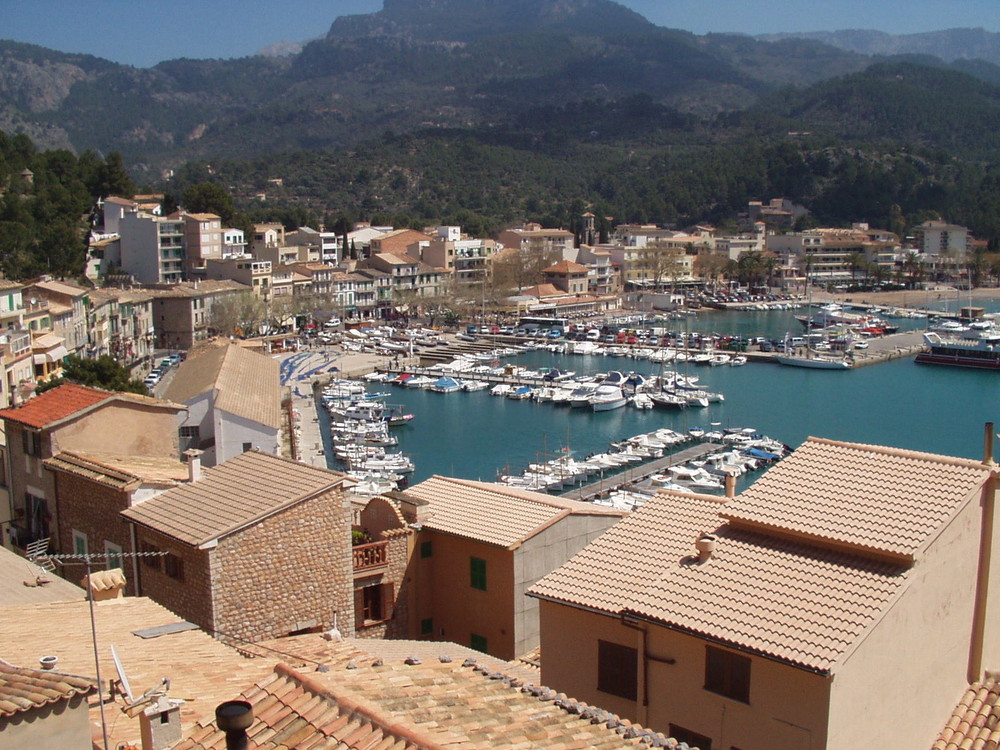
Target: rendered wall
[538, 557]
[121, 428]
[921, 643]
[62, 726]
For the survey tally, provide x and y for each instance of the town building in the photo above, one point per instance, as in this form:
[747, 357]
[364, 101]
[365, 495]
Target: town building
[120, 324]
[67, 310]
[43, 709]
[568, 277]
[202, 240]
[772, 620]
[74, 418]
[490, 543]
[182, 312]
[532, 238]
[232, 397]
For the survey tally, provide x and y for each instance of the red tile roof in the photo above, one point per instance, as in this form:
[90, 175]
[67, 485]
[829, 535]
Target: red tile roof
[55, 405]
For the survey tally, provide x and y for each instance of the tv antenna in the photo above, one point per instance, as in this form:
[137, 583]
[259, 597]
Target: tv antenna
[37, 553]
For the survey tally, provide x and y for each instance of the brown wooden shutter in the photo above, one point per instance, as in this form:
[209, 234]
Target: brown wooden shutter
[359, 608]
[387, 601]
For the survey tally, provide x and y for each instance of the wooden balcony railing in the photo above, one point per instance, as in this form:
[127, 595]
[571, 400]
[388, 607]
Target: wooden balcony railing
[368, 556]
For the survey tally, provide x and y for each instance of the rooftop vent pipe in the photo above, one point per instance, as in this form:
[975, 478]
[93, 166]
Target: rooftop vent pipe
[49, 662]
[234, 718]
[705, 544]
[988, 444]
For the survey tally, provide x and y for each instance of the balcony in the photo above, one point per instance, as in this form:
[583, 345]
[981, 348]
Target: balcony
[370, 556]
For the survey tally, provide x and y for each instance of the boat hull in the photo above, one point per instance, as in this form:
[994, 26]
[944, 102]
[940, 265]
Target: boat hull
[814, 363]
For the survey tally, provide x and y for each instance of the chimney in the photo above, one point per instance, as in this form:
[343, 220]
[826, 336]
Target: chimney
[730, 485]
[988, 445]
[160, 724]
[194, 464]
[705, 544]
[234, 718]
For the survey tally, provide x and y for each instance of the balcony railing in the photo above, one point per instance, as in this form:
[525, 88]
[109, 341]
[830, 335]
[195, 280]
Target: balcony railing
[368, 556]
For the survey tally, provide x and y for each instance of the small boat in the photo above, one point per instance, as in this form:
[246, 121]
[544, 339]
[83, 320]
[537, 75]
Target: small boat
[738, 361]
[608, 397]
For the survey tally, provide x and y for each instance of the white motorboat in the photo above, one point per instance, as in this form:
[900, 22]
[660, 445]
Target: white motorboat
[608, 397]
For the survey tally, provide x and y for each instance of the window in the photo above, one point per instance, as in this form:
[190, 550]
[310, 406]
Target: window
[79, 543]
[31, 441]
[427, 626]
[477, 573]
[478, 642]
[190, 437]
[617, 670]
[373, 604]
[150, 560]
[727, 673]
[173, 566]
[247, 446]
[426, 549]
[693, 739]
[113, 555]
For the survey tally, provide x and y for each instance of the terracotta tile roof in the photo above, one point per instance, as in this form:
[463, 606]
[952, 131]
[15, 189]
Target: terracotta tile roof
[55, 405]
[566, 266]
[867, 497]
[202, 670]
[493, 513]
[70, 400]
[64, 288]
[23, 689]
[430, 704]
[246, 384]
[975, 723]
[19, 584]
[792, 601]
[230, 496]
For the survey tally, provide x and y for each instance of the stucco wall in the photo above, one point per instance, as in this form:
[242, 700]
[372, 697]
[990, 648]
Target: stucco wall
[787, 706]
[538, 557]
[289, 572]
[232, 431]
[921, 643]
[458, 609]
[60, 726]
[122, 428]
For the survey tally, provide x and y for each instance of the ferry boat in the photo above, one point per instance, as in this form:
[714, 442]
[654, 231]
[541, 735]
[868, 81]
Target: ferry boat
[982, 352]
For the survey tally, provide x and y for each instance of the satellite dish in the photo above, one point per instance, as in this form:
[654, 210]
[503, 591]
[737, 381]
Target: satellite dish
[122, 677]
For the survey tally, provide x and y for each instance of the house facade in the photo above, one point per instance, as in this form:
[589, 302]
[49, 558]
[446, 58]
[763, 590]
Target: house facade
[774, 619]
[257, 547]
[74, 418]
[479, 548]
[232, 397]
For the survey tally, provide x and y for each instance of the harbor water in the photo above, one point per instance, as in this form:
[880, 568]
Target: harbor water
[898, 403]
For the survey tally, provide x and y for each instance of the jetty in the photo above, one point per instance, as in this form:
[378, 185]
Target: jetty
[635, 474]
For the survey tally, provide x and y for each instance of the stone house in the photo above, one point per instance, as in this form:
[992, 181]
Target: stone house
[257, 547]
[568, 277]
[91, 491]
[775, 619]
[74, 418]
[478, 549]
[380, 560]
[233, 400]
[182, 312]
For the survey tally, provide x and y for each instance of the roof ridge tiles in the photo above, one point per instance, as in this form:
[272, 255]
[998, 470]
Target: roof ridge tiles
[903, 453]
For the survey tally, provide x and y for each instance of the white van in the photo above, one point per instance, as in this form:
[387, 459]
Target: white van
[593, 334]
[332, 323]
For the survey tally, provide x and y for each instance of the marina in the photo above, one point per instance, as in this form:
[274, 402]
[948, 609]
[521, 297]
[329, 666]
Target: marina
[472, 435]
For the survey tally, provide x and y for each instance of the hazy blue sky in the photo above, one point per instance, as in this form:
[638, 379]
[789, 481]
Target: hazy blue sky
[144, 32]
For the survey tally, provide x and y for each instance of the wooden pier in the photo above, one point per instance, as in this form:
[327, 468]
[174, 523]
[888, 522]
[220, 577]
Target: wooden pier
[636, 473]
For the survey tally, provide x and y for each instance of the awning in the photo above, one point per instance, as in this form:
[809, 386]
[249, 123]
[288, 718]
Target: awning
[54, 354]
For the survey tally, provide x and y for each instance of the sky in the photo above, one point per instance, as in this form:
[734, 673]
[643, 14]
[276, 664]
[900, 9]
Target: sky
[145, 32]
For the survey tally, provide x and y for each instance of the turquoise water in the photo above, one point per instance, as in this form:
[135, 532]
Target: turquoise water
[898, 403]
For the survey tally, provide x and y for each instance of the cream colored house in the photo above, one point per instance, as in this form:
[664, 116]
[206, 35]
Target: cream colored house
[479, 548]
[842, 601]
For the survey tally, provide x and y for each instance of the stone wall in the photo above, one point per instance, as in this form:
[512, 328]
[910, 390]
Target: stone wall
[291, 571]
[92, 509]
[188, 595]
[397, 560]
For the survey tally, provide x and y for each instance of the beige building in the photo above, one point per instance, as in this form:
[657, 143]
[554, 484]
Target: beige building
[534, 239]
[202, 240]
[67, 305]
[568, 277]
[776, 619]
[479, 548]
[42, 709]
